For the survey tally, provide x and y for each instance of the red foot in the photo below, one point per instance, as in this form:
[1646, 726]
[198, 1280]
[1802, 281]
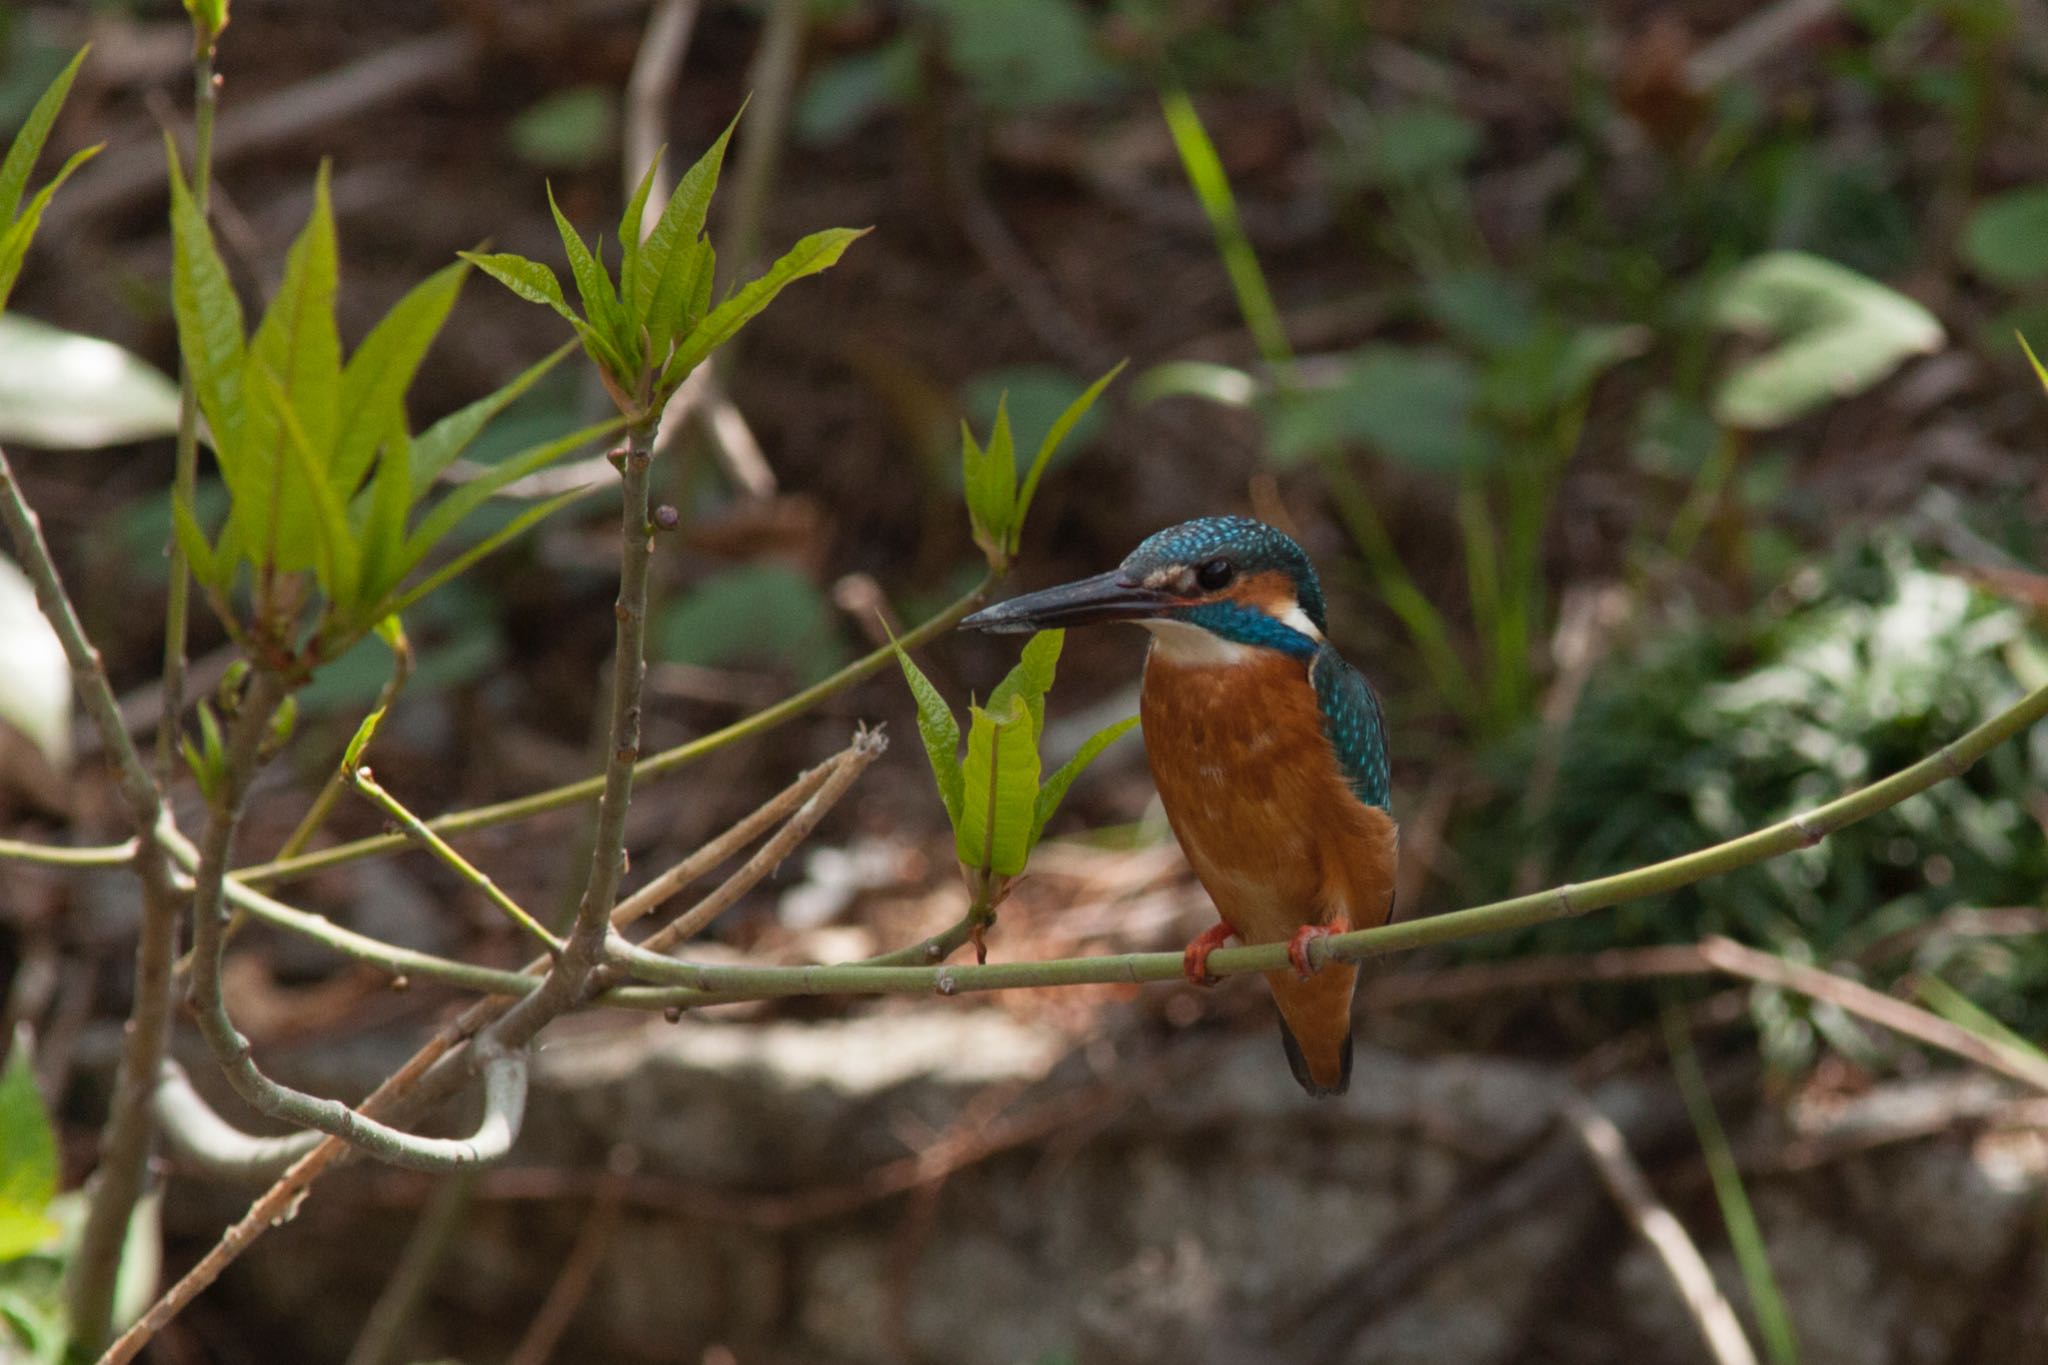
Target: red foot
[1297, 947]
[1195, 960]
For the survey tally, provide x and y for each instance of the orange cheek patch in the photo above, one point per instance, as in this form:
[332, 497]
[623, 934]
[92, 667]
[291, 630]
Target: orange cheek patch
[1271, 592]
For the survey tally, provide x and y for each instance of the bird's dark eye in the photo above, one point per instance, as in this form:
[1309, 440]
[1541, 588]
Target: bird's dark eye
[1215, 574]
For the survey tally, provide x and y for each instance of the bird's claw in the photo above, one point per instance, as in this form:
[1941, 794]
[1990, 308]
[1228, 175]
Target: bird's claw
[1297, 947]
[1194, 960]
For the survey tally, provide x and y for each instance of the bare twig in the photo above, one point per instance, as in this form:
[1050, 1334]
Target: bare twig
[1703, 1300]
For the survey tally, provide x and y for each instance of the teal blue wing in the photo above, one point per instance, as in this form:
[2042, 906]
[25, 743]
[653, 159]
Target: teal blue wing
[1353, 725]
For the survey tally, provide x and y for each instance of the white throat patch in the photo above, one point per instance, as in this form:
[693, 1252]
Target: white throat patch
[1192, 647]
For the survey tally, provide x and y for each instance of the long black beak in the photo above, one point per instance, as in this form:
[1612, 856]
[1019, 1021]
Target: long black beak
[1105, 597]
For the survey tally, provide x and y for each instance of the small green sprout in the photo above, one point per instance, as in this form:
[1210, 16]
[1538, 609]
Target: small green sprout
[997, 500]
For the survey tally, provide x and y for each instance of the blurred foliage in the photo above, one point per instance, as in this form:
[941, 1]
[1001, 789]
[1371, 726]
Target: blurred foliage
[760, 614]
[63, 391]
[569, 130]
[1717, 728]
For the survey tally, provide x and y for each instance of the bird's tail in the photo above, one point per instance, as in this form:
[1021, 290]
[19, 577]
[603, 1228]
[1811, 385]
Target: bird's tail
[1315, 1026]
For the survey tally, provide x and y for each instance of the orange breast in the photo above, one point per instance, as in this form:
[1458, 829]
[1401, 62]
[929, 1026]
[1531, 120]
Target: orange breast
[1254, 794]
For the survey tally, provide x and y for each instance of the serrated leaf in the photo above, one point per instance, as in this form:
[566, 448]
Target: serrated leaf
[819, 251]
[593, 285]
[1032, 678]
[28, 1156]
[512, 529]
[630, 224]
[1836, 333]
[211, 338]
[375, 381]
[663, 289]
[14, 243]
[530, 280]
[34, 132]
[1055, 789]
[999, 791]
[297, 345]
[441, 444]
[63, 391]
[1054, 435]
[939, 731]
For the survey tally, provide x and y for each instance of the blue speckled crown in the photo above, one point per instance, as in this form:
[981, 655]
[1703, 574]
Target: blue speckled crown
[1251, 545]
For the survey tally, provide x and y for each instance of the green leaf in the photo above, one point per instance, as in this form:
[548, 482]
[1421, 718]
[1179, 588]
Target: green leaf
[383, 514]
[819, 251]
[434, 449]
[63, 391]
[940, 733]
[2040, 371]
[28, 142]
[1031, 679]
[199, 555]
[1075, 411]
[999, 789]
[2006, 239]
[1407, 404]
[512, 529]
[378, 375]
[331, 550]
[1055, 789]
[569, 130]
[352, 756]
[665, 289]
[629, 242]
[210, 329]
[297, 341]
[593, 285]
[678, 303]
[530, 280]
[14, 242]
[989, 480]
[466, 499]
[28, 1157]
[1837, 333]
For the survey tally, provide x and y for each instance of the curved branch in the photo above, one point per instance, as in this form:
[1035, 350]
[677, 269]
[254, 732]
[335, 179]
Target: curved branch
[209, 1142]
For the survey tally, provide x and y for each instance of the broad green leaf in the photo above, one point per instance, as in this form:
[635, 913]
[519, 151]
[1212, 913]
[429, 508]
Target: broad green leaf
[1031, 679]
[630, 223]
[297, 342]
[1407, 404]
[210, 330]
[464, 500]
[593, 285]
[434, 449]
[765, 613]
[530, 280]
[939, 731]
[63, 391]
[14, 241]
[999, 791]
[35, 678]
[817, 252]
[383, 513]
[28, 143]
[1075, 411]
[331, 552]
[28, 1157]
[375, 381]
[2006, 239]
[1055, 789]
[1836, 332]
[669, 257]
[568, 130]
[677, 304]
[512, 529]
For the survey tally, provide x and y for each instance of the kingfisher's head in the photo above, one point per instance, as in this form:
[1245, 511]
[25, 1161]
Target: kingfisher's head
[1209, 589]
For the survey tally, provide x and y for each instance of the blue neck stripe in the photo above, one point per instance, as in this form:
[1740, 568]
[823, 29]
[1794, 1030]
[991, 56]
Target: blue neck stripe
[1247, 625]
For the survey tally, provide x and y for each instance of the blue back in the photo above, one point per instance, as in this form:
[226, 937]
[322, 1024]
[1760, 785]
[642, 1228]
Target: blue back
[1353, 725]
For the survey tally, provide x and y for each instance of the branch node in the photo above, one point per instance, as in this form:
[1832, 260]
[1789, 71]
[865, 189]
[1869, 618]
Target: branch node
[1810, 834]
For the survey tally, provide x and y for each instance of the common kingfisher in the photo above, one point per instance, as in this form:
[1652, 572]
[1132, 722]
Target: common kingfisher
[1269, 752]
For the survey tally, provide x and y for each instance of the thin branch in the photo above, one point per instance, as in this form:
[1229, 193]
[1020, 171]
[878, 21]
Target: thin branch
[1708, 1307]
[868, 746]
[1889, 1011]
[51, 855]
[660, 765]
[361, 778]
[124, 1142]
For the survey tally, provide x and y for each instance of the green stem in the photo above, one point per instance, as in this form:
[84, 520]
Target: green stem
[362, 780]
[50, 855]
[703, 985]
[660, 765]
